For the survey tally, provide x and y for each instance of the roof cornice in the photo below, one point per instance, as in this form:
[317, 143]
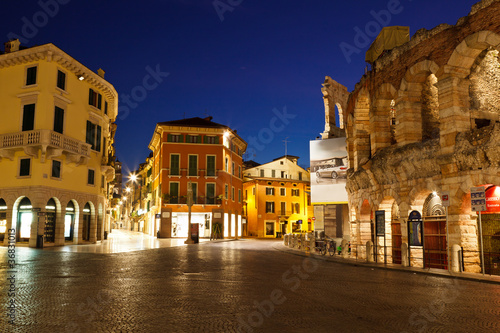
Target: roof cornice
[50, 52]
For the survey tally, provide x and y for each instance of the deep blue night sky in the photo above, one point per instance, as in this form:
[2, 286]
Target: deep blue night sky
[263, 55]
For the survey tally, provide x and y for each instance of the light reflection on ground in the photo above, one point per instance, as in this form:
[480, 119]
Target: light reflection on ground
[123, 241]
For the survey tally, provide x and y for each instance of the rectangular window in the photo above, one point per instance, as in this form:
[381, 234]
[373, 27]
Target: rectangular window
[61, 80]
[91, 177]
[226, 190]
[297, 208]
[102, 181]
[273, 173]
[58, 120]
[269, 207]
[174, 164]
[283, 208]
[28, 117]
[239, 196]
[105, 107]
[175, 138]
[227, 165]
[262, 172]
[193, 165]
[233, 169]
[174, 193]
[253, 190]
[193, 139]
[232, 193]
[31, 75]
[93, 136]
[282, 174]
[269, 190]
[269, 228]
[210, 194]
[300, 175]
[283, 191]
[210, 165]
[56, 169]
[239, 171]
[24, 167]
[295, 192]
[95, 99]
[211, 139]
[194, 187]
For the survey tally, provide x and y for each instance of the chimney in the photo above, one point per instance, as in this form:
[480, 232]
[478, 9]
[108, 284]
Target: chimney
[12, 46]
[101, 72]
[209, 118]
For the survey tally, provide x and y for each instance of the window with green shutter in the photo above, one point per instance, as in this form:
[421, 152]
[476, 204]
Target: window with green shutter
[24, 167]
[193, 165]
[174, 193]
[174, 164]
[210, 194]
[210, 165]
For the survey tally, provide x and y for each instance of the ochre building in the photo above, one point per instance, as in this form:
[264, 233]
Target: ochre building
[56, 147]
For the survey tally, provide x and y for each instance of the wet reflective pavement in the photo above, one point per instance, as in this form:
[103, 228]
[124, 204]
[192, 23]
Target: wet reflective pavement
[236, 286]
[124, 241]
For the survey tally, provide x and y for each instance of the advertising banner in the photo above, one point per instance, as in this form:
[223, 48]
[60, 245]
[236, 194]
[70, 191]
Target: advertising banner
[329, 166]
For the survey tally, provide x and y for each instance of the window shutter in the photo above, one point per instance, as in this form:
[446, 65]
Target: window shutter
[28, 117]
[91, 97]
[169, 137]
[217, 140]
[199, 139]
[181, 138]
[99, 101]
[88, 137]
[188, 138]
[98, 139]
[58, 120]
[31, 76]
[205, 139]
[105, 107]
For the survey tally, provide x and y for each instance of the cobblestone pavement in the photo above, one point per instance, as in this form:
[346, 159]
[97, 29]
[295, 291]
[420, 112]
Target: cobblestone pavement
[236, 286]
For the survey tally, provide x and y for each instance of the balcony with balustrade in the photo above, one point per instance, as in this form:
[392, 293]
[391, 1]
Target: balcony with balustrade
[50, 143]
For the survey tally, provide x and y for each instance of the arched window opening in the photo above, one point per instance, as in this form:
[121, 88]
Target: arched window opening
[430, 109]
[50, 221]
[24, 219]
[69, 221]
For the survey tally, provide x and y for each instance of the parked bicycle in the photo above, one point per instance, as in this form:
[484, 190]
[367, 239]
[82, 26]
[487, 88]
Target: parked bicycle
[320, 247]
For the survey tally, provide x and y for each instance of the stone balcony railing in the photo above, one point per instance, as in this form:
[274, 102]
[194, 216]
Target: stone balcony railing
[51, 144]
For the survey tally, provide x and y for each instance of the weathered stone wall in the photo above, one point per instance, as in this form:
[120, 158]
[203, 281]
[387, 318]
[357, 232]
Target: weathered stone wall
[444, 86]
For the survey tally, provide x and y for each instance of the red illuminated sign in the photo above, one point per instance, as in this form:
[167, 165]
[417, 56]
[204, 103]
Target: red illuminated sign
[493, 199]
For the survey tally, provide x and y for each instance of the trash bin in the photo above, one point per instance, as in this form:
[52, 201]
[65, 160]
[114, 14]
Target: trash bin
[39, 242]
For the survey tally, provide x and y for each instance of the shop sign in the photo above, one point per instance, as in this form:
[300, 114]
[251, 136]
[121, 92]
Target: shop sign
[380, 222]
[477, 199]
[445, 199]
[493, 199]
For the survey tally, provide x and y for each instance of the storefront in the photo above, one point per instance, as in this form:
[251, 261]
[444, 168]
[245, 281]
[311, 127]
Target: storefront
[69, 221]
[24, 219]
[3, 219]
[180, 224]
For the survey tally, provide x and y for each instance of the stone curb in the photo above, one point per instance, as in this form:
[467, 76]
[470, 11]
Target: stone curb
[492, 279]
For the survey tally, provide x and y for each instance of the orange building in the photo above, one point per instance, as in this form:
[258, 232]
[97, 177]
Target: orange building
[277, 198]
[207, 154]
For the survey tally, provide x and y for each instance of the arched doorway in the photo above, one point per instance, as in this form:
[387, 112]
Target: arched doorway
[86, 222]
[24, 219]
[50, 221]
[396, 234]
[69, 221]
[3, 219]
[434, 218]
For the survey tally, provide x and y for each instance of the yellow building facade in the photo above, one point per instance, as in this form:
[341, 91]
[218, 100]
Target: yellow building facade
[56, 147]
[277, 198]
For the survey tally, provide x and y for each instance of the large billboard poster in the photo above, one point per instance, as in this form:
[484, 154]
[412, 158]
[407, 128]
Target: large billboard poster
[329, 166]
